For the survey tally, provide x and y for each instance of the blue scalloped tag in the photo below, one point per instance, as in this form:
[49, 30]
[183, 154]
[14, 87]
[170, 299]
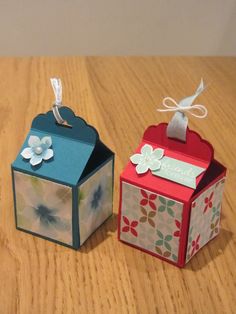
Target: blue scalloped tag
[79, 130]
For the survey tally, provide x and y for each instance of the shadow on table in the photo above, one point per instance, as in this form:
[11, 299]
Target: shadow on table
[144, 263]
[101, 234]
[210, 251]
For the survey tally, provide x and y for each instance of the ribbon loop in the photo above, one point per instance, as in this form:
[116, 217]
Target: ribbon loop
[177, 107]
[57, 89]
[178, 125]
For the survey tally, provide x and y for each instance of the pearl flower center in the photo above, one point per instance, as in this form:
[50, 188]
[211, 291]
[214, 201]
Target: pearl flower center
[147, 158]
[38, 150]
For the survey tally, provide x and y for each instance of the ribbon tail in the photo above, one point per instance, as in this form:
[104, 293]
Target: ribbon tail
[200, 88]
[188, 101]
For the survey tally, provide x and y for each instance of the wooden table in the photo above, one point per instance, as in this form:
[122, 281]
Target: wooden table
[119, 96]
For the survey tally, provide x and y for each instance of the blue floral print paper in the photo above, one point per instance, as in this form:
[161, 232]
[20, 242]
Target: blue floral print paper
[95, 201]
[43, 207]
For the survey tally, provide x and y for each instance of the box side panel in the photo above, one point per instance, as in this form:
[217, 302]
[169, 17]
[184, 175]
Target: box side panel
[95, 200]
[205, 218]
[150, 222]
[43, 207]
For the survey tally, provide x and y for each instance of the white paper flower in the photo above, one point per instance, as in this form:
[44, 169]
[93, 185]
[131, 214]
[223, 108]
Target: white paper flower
[148, 159]
[38, 150]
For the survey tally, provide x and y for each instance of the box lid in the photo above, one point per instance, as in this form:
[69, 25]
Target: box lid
[72, 147]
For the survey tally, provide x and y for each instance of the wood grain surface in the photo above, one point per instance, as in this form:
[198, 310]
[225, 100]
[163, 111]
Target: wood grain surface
[119, 96]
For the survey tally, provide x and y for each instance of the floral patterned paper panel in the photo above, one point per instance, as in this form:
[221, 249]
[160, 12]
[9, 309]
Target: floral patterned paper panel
[150, 221]
[44, 207]
[205, 218]
[95, 201]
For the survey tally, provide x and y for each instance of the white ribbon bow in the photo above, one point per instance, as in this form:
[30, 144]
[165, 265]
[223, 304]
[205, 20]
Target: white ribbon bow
[186, 104]
[177, 127]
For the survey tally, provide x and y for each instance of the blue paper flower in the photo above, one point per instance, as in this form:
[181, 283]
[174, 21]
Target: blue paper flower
[38, 150]
[97, 197]
[148, 159]
[49, 218]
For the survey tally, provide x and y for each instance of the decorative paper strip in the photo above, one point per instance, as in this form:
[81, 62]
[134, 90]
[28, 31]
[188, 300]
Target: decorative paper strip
[178, 171]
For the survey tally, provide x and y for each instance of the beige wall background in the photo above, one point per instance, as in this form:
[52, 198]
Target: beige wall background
[122, 27]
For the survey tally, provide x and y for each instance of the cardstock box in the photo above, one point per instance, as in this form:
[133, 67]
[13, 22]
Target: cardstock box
[164, 218]
[67, 198]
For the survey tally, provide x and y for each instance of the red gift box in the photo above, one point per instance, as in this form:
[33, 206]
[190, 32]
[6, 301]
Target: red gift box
[163, 217]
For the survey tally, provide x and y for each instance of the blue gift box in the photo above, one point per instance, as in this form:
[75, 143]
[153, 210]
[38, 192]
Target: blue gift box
[66, 198]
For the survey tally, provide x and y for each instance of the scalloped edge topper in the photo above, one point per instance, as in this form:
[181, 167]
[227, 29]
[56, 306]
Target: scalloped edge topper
[194, 146]
[80, 130]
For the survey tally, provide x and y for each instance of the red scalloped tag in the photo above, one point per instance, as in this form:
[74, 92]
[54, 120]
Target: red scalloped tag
[195, 151]
[194, 147]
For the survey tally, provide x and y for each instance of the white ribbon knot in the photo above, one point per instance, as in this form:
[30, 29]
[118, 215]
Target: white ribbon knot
[186, 104]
